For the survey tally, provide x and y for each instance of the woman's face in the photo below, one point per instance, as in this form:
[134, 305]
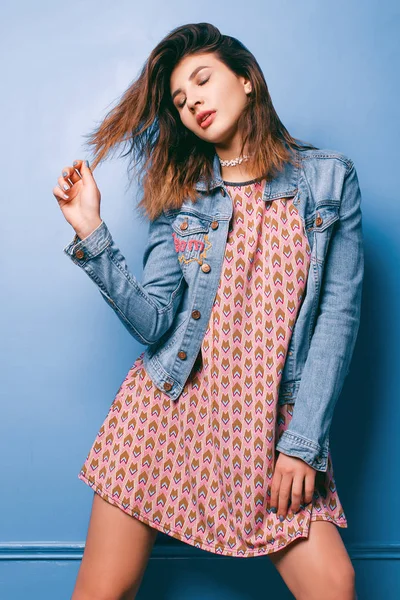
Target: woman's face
[203, 83]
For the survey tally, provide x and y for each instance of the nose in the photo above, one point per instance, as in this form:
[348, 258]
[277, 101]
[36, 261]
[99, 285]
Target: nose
[193, 103]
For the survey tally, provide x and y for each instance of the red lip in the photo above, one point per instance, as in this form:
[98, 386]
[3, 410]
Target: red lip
[202, 114]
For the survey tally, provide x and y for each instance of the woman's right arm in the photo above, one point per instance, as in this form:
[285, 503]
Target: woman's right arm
[146, 308]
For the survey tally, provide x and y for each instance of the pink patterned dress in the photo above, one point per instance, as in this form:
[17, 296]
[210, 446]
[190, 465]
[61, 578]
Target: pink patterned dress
[200, 468]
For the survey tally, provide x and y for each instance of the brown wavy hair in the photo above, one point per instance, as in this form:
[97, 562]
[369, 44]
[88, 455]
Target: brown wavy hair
[168, 158]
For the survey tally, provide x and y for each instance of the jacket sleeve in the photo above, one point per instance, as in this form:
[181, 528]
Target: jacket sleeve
[145, 308]
[334, 336]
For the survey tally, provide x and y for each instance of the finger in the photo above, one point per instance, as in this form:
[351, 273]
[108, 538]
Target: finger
[275, 484]
[84, 169]
[284, 495]
[59, 194]
[64, 184]
[297, 492]
[71, 175]
[309, 487]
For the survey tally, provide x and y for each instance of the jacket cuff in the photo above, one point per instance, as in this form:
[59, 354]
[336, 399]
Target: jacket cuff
[82, 250]
[300, 447]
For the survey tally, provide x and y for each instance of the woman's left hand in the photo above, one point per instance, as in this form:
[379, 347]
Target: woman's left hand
[289, 476]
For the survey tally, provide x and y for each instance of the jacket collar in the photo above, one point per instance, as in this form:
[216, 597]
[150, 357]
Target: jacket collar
[284, 184]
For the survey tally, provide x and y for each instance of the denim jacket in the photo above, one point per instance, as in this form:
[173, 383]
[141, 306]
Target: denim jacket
[169, 309]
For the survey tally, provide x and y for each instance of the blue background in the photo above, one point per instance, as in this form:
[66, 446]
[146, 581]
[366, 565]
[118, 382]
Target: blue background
[332, 70]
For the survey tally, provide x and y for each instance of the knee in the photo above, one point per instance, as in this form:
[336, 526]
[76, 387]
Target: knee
[347, 583]
[102, 595]
[340, 584]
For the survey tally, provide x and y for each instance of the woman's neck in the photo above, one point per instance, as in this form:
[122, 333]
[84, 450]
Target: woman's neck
[239, 172]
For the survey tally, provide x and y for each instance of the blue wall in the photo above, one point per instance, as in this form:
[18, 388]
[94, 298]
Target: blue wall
[332, 70]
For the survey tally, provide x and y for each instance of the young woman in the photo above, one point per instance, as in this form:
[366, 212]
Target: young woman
[249, 307]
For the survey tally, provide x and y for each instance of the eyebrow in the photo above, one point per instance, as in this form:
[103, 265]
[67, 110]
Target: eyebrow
[197, 69]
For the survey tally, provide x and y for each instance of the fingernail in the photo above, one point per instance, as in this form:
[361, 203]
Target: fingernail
[75, 162]
[273, 509]
[281, 518]
[65, 186]
[65, 173]
[87, 163]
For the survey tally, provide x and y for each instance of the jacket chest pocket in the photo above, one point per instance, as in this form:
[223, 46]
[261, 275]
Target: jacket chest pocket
[191, 240]
[319, 227]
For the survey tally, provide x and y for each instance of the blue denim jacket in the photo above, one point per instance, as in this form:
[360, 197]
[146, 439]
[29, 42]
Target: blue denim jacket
[169, 309]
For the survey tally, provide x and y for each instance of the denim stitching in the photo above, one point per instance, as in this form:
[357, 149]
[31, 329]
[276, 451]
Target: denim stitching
[206, 245]
[103, 289]
[138, 289]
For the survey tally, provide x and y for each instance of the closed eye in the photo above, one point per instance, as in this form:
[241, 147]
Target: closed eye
[200, 83]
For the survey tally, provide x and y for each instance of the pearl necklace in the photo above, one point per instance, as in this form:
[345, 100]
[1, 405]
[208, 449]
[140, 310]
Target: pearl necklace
[234, 161]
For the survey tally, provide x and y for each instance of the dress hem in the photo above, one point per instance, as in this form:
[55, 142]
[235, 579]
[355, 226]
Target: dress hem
[201, 544]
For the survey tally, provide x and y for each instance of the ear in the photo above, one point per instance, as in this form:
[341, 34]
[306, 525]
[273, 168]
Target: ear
[247, 86]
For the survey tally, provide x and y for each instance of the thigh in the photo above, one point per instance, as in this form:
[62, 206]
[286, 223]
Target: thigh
[318, 566]
[116, 553]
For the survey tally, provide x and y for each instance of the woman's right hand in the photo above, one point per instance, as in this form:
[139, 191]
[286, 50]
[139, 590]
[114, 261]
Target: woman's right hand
[82, 206]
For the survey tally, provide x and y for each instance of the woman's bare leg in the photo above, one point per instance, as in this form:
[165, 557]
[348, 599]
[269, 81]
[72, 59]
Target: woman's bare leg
[318, 566]
[116, 553]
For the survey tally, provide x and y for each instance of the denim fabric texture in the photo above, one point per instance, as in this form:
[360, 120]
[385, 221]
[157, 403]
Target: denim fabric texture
[169, 309]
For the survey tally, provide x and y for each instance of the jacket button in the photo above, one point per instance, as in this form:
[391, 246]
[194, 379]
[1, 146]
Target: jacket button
[79, 254]
[214, 225]
[318, 220]
[290, 353]
[205, 268]
[182, 354]
[223, 192]
[167, 386]
[196, 314]
[184, 225]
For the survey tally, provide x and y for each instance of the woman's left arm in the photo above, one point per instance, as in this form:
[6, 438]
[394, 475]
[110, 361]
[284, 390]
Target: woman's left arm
[334, 336]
